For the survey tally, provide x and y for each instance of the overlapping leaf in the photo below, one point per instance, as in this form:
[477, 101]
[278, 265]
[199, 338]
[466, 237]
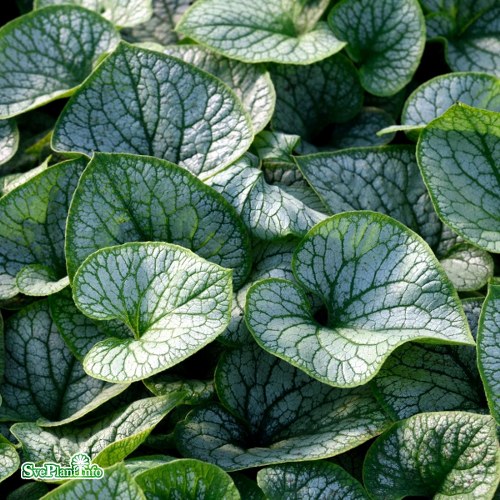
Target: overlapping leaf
[440, 455]
[173, 301]
[46, 54]
[143, 102]
[380, 286]
[42, 379]
[281, 31]
[9, 140]
[32, 224]
[276, 414]
[122, 198]
[251, 83]
[458, 155]
[488, 348]
[386, 38]
[120, 12]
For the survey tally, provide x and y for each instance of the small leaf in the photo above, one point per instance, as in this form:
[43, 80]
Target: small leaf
[458, 156]
[384, 180]
[122, 198]
[187, 479]
[439, 455]
[173, 301]
[179, 114]
[386, 38]
[488, 344]
[419, 378]
[160, 28]
[9, 459]
[40, 61]
[286, 32]
[32, 225]
[468, 267]
[320, 480]
[251, 83]
[10, 182]
[434, 97]
[381, 286]
[42, 379]
[267, 210]
[196, 391]
[115, 483]
[311, 97]
[275, 413]
[120, 12]
[275, 149]
[9, 140]
[107, 441]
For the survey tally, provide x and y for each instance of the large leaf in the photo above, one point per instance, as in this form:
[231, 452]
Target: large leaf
[458, 155]
[107, 441]
[267, 210]
[320, 480]
[115, 483]
[122, 198]
[143, 102]
[380, 285]
[173, 301]
[385, 180]
[160, 28]
[9, 140]
[46, 54]
[386, 38]
[488, 348]
[9, 459]
[120, 12]
[440, 455]
[434, 97]
[282, 31]
[32, 224]
[187, 479]
[419, 378]
[251, 83]
[276, 414]
[311, 97]
[42, 379]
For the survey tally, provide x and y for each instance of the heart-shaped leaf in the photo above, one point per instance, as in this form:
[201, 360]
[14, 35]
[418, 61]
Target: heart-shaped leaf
[187, 479]
[120, 12]
[384, 180]
[251, 83]
[42, 379]
[434, 97]
[309, 480]
[488, 342]
[179, 113]
[458, 155]
[47, 53]
[276, 414]
[311, 97]
[9, 140]
[116, 482]
[267, 210]
[32, 224]
[107, 441]
[468, 267]
[173, 301]
[438, 455]
[160, 28]
[386, 38]
[281, 31]
[380, 285]
[419, 378]
[122, 198]
[9, 459]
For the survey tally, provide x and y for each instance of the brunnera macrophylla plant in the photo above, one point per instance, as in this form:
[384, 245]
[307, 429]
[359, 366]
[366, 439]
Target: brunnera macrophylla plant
[251, 249]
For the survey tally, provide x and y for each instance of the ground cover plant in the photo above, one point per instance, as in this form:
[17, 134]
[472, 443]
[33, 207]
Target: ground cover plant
[250, 249]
